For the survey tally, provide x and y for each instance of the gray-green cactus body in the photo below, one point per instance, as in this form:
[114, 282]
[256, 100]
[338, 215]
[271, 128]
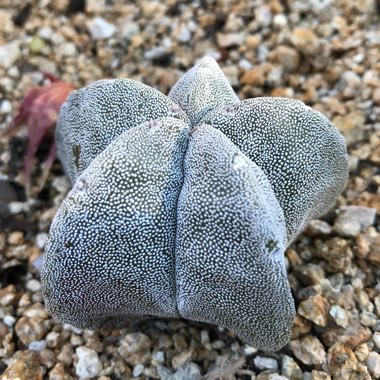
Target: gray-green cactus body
[110, 256]
[300, 151]
[94, 116]
[203, 89]
[189, 213]
[230, 244]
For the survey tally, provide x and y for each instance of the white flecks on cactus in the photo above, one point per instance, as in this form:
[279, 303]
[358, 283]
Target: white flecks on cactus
[300, 151]
[183, 206]
[203, 89]
[95, 115]
[111, 246]
[244, 242]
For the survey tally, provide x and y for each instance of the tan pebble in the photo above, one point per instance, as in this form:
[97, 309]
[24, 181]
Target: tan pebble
[182, 358]
[301, 326]
[53, 339]
[47, 358]
[36, 310]
[66, 354]
[337, 254]
[282, 92]
[4, 330]
[369, 200]
[376, 96]
[293, 257]
[180, 342]
[310, 274]
[254, 77]
[59, 373]
[16, 238]
[305, 41]
[135, 348]
[350, 124]
[31, 329]
[353, 335]
[319, 375]
[374, 253]
[376, 301]
[252, 41]
[9, 296]
[361, 352]
[309, 350]
[374, 156]
[152, 8]
[315, 309]
[362, 246]
[287, 57]
[341, 361]
[229, 39]
[6, 23]
[25, 365]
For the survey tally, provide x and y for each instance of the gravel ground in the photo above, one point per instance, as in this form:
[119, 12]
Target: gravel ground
[323, 52]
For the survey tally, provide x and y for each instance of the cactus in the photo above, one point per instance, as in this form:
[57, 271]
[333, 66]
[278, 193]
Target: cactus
[182, 206]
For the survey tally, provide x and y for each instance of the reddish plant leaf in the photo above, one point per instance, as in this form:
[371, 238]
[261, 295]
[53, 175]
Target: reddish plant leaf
[39, 110]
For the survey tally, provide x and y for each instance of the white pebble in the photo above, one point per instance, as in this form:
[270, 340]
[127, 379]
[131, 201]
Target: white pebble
[373, 364]
[159, 356]
[138, 370]
[9, 54]
[280, 20]
[6, 106]
[245, 64]
[37, 345]
[88, 364]
[100, 28]
[33, 285]
[249, 350]
[68, 49]
[46, 33]
[17, 207]
[9, 320]
[41, 240]
[184, 35]
[265, 363]
[72, 328]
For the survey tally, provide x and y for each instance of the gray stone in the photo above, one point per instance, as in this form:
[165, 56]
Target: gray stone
[100, 28]
[88, 364]
[262, 362]
[373, 364]
[353, 219]
[339, 315]
[290, 369]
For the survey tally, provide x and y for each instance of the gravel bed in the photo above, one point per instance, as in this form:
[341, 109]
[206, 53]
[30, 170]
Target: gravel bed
[323, 52]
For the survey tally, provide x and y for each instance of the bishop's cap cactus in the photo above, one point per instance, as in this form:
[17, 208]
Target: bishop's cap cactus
[182, 206]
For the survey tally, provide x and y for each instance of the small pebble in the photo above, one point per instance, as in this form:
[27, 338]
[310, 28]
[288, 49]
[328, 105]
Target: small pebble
[339, 315]
[309, 350]
[37, 345]
[9, 320]
[138, 370]
[88, 364]
[353, 219]
[100, 28]
[262, 362]
[5, 106]
[373, 364]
